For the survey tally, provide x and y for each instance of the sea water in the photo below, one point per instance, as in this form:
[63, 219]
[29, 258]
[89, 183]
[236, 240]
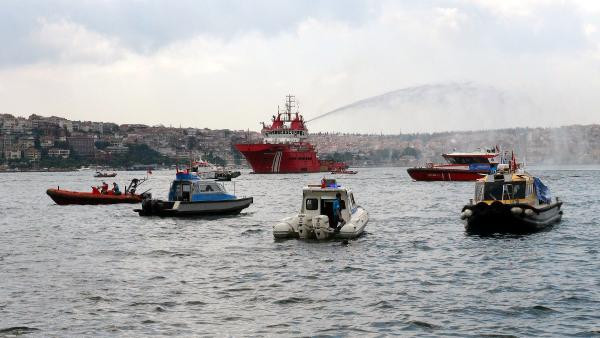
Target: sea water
[104, 270]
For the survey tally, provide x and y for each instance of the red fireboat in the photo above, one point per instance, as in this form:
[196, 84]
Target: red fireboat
[468, 166]
[284, 148]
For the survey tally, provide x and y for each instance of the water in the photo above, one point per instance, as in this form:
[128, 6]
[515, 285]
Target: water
[103, 270]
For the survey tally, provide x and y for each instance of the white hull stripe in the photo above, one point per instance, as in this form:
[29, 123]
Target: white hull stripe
[276, 162]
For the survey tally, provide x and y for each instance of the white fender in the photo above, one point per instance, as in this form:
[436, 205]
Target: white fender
[285, 228]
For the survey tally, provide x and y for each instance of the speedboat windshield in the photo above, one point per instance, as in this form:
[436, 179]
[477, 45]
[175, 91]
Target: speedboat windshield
[503, 190]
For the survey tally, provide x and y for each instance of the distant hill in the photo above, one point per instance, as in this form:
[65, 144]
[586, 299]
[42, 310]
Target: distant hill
[432, 108]
[574, 144]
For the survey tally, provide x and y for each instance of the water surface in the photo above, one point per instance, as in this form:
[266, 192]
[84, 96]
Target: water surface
[103, 270]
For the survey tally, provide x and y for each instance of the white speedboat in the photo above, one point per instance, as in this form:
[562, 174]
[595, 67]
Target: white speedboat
[317, 218]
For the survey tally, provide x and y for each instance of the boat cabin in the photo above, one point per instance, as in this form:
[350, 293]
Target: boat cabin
[189, 187]
[321, 200]
[506, 188]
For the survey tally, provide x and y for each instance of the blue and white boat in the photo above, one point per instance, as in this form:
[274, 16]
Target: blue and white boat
[191, 196]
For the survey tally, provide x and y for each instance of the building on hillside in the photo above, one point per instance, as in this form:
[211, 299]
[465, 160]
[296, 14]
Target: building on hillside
[117, 149]
[60, 153]
[26, 142]
[12, 153]
[32, 154]
[82, 145]
[47, 141]
[68, 125]
[6, 141]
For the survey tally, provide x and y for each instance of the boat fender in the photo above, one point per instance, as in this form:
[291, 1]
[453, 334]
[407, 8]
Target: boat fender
[529, 212]
[466, 214]
[516, 210]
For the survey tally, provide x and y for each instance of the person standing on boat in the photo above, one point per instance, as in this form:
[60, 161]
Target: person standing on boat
[104, 189]
[337, 212]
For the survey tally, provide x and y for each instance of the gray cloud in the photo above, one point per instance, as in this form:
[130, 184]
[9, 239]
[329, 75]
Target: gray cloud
[145, 26]
[228, 63]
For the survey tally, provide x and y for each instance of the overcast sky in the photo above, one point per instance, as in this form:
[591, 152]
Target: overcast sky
[228, 64]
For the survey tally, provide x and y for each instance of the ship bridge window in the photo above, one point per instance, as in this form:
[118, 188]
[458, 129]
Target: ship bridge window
[312, 204]
[504, 190]
[467, 160]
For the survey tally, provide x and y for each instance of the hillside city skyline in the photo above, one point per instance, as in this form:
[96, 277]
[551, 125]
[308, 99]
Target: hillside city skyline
[59, 142]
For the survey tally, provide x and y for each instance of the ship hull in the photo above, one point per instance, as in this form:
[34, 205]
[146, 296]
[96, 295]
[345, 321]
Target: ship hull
[442, 174]
[282, 158]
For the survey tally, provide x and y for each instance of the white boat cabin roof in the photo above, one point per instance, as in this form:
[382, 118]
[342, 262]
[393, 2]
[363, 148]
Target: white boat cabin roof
[327, 186]
[317, 189]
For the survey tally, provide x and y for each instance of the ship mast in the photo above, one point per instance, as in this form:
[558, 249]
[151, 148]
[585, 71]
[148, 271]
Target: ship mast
[289, 104]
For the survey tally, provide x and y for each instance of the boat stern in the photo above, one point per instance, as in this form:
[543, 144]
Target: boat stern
[509, 218]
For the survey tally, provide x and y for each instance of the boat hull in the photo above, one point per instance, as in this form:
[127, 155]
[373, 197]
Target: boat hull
[500, 218]
[66, 197]
[197, 208]
[293, 158]
[318, 228]
[439, 174]
[280, 158]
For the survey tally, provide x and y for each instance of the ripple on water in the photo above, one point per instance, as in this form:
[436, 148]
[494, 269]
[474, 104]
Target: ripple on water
[293, 300]
[17, 330]
[160, 304]
[252, 232]
[420, 325]
[415, 270]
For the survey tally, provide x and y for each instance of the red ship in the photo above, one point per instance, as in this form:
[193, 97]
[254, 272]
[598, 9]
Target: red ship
[284, 148]
[460, 167]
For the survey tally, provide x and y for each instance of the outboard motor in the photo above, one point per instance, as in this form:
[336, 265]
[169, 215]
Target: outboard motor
[321, 226]
[303, 227]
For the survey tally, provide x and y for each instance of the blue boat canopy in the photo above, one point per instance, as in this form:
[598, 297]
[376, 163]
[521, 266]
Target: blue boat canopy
[480, 166]
[542, 191]
[189, 187]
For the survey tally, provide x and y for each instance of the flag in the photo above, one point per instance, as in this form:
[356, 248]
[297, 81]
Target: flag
[513, 162]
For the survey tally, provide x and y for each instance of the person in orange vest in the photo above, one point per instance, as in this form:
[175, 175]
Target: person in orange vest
[95, 190]
[104, 189]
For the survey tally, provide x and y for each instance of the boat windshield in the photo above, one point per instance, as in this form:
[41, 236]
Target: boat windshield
[210, 187]
[466, 159]
[503, 190]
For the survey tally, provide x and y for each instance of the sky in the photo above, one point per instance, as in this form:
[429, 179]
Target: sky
[228, 64]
